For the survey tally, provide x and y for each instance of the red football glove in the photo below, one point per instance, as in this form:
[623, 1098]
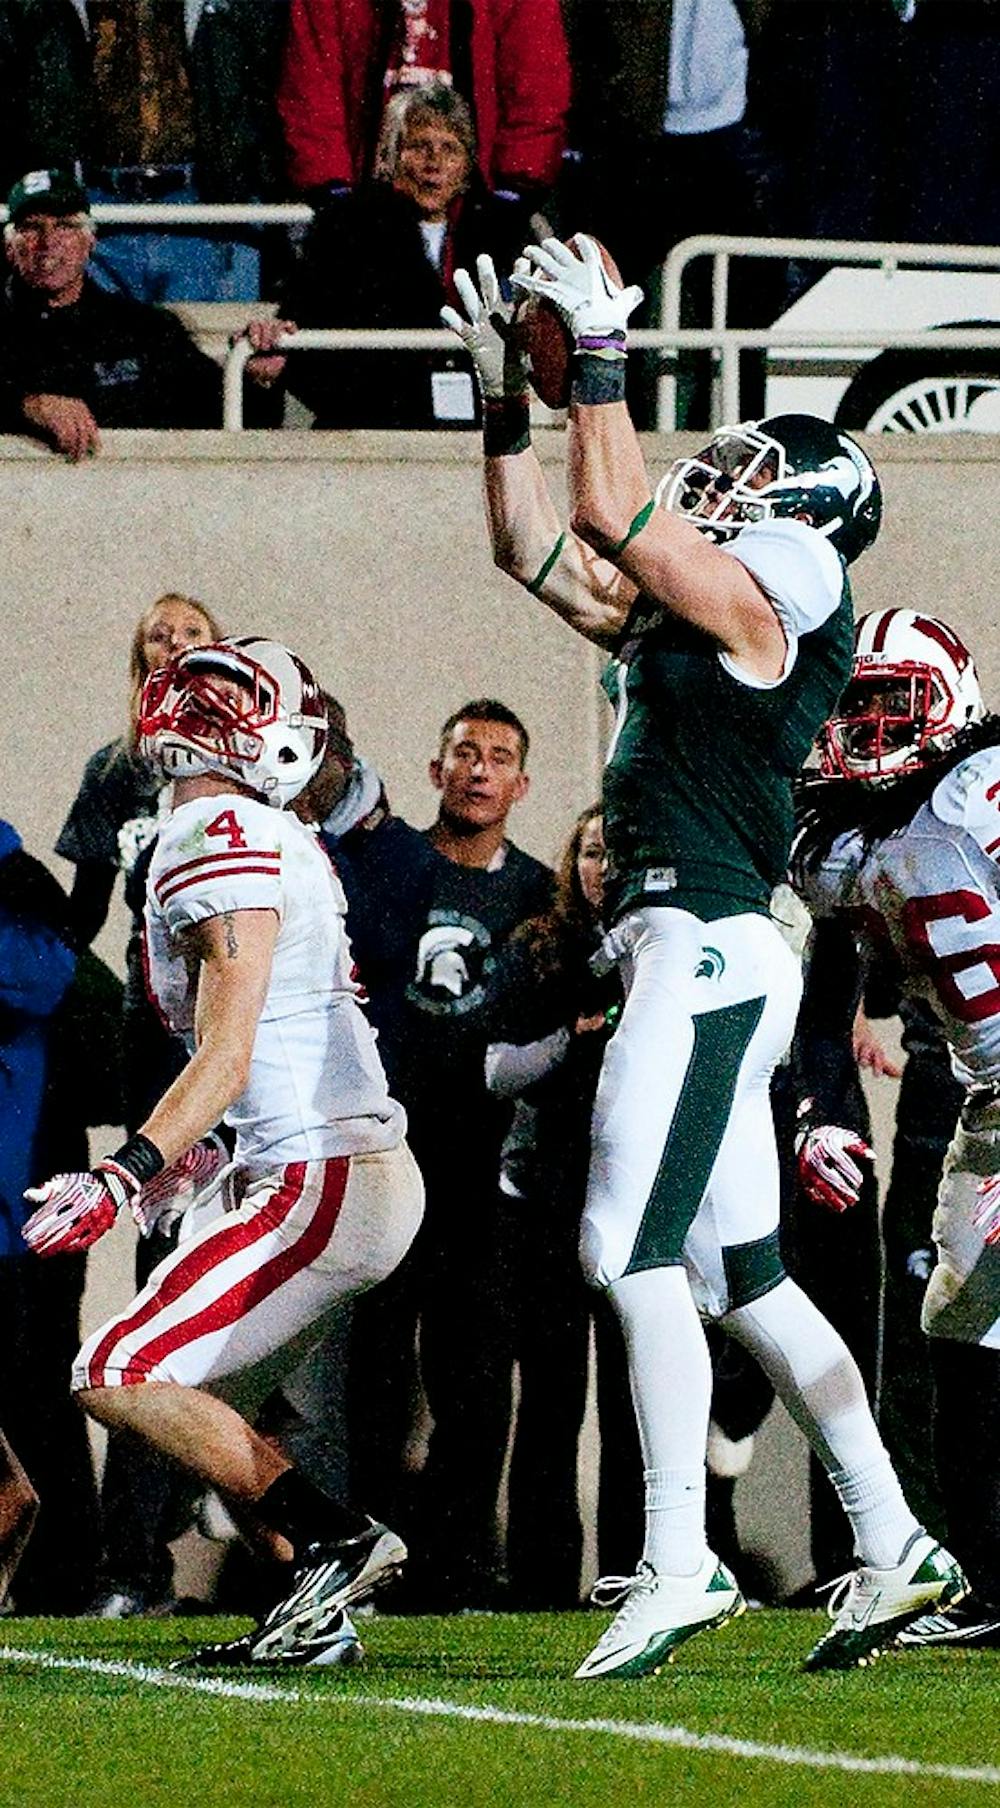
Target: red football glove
[827, 1168]
[164, 1198]
[987, 1214]
[75, 1209]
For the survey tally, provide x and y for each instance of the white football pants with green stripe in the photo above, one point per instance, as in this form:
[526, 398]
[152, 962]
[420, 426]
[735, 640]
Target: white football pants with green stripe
[684, 1166]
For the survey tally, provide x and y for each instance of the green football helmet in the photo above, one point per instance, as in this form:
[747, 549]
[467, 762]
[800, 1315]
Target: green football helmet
[789, 464]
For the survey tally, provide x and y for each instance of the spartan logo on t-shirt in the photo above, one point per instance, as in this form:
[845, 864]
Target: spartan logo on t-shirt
[453, 959]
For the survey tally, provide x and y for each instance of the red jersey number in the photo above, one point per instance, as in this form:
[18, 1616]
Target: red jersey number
[965, 907]
[227, 826]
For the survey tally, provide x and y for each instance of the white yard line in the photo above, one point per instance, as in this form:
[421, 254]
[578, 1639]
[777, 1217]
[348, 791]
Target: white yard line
[638, 1731]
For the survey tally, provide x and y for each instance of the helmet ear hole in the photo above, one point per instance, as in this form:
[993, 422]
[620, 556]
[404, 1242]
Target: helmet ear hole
[826, 479]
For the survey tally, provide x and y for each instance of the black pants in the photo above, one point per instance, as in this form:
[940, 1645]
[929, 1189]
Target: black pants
[437, 1329]
[547, 1335]
[967, 1449]
[641, 199]
[39, 1337]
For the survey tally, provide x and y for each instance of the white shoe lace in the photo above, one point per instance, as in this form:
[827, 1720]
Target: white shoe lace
[857, 1583]
[627, 1591]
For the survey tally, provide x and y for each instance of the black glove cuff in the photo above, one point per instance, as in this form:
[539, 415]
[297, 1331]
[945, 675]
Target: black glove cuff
[140, 1158]
[506, 426]
[598, 379]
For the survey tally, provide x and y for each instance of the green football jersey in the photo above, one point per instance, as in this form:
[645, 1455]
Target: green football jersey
[698, 787]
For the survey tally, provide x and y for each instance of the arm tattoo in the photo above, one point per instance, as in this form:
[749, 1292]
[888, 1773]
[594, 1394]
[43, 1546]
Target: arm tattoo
[229, 931]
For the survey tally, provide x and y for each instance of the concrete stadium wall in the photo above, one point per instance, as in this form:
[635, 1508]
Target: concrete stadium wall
[368, 553]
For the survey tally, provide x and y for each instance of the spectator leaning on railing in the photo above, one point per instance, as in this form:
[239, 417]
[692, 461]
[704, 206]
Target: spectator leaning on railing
[384, 257]
[74, 359]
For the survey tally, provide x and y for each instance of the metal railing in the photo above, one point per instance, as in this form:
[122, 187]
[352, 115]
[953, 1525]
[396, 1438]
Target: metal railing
[728, 341]
[197, 213]
[724, 341]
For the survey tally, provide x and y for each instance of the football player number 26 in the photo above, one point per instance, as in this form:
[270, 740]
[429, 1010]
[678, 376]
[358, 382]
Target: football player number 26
[979, 961]
[226, 826]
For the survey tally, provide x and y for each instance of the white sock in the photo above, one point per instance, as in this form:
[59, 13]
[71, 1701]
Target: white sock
[675, 1520]
[671, 1375]
[820, 1383]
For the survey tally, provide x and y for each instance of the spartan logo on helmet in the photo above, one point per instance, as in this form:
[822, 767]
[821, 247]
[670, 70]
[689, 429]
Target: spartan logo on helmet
[789, 465]
[453, 959]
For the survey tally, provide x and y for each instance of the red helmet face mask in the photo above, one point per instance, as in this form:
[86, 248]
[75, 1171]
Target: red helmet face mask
[248, 709]
[913, 688]
[209, 709]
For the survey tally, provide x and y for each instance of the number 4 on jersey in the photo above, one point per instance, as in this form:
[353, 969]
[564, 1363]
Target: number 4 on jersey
[227, 826]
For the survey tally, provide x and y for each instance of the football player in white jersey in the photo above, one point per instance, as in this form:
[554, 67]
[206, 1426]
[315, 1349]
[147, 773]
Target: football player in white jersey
[728, 616]
[910, 851]
[248, 957]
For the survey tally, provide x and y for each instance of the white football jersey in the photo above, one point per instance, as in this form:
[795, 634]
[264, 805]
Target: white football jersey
[932, 892]
[317, 1087]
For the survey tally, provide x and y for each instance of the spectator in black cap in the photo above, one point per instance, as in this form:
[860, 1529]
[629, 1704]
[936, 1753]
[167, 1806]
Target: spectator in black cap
[74, 359]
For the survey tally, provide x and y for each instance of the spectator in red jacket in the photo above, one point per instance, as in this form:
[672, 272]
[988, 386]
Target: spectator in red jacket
[343, 58]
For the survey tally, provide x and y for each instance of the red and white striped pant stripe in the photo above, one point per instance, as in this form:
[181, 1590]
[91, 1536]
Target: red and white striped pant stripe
[255, 1280]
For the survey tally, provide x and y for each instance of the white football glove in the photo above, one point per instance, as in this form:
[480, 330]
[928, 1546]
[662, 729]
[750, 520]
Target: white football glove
[590, 302]
[75, 1209]
[987, 1213]
[828, 1169]
[169, 1194]
[486, 332]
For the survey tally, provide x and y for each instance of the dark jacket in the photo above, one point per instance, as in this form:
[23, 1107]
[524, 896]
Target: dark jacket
[36, 967]
[49, 117]
[134, 365]
[546, 1153]
[365, 265]
[619, 50]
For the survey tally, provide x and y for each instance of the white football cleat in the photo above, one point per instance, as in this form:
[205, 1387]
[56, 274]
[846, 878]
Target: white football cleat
[658, 1614]
[870, 1607]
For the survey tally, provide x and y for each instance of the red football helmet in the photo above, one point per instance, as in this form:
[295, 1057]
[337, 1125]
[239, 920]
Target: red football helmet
[913, 686]
[248, 709]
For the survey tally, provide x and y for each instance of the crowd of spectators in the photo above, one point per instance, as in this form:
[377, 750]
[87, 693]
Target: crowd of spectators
[638, 120]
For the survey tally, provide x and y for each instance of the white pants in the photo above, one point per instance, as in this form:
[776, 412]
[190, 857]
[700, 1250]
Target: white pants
[236, 1308]
[684, 1167]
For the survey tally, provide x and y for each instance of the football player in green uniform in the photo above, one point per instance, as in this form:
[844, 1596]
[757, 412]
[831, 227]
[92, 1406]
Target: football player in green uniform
[728, 617]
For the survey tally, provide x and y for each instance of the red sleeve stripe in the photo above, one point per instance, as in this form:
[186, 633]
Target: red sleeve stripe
[218, 859]
[166, 892]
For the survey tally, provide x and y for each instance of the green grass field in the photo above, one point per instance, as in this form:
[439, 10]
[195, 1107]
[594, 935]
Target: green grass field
[482, 1710]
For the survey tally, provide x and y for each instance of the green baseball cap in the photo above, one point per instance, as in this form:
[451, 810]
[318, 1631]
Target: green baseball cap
[47, 191]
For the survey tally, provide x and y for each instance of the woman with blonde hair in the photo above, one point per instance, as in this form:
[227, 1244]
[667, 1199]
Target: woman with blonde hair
[115, 809]
[550, 1019]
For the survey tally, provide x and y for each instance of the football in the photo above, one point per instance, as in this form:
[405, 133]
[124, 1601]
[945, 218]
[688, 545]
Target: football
[546, 342]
